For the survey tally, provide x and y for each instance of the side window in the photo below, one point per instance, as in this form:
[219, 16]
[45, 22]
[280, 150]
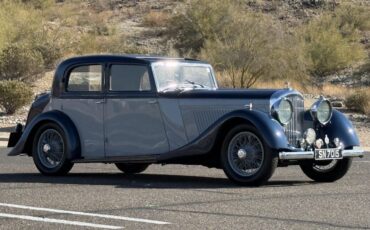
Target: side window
[129, 78]
[85, 79]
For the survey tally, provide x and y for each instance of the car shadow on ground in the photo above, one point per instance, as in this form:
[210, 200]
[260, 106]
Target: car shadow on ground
[150, 181]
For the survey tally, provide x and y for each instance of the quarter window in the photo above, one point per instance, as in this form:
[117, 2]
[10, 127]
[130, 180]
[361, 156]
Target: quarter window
[85, 79]
[129, 78]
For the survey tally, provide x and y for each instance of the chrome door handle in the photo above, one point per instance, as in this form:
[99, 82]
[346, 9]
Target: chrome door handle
[152, 102]
[100, 102]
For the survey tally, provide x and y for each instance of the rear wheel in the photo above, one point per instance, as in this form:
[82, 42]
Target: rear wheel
[245, 157]
[132, 168]
[49, 150]
[326, 171]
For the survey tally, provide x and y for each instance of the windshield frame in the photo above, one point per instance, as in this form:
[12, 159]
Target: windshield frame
[157, 63]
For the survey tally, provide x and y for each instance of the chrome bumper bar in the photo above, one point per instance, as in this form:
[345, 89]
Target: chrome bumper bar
[307, 155]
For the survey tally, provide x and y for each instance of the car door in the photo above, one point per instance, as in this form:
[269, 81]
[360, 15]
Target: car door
[133, 120]
[83, 102]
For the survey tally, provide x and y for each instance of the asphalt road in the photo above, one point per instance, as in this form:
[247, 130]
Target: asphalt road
[178, 197]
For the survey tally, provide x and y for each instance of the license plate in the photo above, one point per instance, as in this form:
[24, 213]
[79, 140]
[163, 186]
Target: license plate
[328, 154]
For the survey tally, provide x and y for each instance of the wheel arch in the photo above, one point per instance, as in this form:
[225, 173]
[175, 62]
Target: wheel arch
[59, 118]
[269, 129]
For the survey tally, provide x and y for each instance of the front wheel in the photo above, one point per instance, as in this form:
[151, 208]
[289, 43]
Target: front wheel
[50, 152]
[245, 157]
[326, 171]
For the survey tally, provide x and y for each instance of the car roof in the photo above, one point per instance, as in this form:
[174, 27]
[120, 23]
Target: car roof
[130, 58]
[108, 58]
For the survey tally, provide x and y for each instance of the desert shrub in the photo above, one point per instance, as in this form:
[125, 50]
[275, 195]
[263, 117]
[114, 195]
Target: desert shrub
[327, 50]
[103, 5]
[17, 23]
[359, 101]
[243, 46]
[14, 95]
[92, 44]
[50, 53]
[201, 20]
[251, 49]
[19, 62]
[39, 4]
[351, 18]
[25, 37]
[155, 19]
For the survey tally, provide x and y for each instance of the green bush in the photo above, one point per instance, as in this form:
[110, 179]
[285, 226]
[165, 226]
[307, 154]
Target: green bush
[327, 49]
[352, 18]
[359, 101]
[19, 62]
[50, 53]
[202, 20]
[14, 95]
[251, 48]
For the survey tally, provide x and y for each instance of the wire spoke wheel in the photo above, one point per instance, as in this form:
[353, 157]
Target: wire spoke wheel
[245, 153]
[50, 148]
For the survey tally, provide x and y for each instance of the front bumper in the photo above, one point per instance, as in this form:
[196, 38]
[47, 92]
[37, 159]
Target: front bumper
[310, 155]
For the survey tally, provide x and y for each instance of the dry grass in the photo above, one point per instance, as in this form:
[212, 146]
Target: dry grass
[155, 19]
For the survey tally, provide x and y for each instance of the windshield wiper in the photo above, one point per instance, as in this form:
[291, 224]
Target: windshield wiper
[177, 88]
[181, 87]
[195, 83]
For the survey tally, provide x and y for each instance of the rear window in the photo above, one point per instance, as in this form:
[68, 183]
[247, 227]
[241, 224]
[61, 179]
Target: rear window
[129, 78]
[85, 79]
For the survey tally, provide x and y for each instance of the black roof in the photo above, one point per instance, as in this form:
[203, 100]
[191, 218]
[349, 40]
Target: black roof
[124, 58]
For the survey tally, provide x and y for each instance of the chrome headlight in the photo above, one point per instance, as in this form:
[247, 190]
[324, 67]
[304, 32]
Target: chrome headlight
[322, 111]
[283, 111]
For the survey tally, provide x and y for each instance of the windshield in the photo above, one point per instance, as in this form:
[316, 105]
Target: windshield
[173, 75]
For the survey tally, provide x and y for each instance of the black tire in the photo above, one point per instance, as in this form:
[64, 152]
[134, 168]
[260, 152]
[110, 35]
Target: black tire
[331, 174]
[132, 168]
[64, 166]
[267, 166]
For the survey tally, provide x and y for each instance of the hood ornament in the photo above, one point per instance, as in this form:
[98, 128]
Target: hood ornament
[287, 85]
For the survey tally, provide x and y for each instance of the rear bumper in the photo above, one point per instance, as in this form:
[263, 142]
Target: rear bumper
[15, 136]
[309, 155]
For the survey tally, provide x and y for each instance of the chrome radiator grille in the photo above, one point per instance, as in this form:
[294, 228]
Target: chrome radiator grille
[294, 130]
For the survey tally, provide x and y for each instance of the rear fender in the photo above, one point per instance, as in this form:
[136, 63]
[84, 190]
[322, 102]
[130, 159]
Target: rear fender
[24, 145]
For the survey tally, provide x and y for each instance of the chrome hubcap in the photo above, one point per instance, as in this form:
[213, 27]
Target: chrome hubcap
[242, 154]
[46, 148]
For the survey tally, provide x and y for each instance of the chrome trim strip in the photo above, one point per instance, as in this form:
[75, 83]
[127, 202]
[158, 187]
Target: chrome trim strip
[306, 155]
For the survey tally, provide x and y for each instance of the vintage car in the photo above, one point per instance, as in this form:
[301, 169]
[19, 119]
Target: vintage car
[134, 111]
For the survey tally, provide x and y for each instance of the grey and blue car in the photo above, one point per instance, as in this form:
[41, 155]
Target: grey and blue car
[134, 111]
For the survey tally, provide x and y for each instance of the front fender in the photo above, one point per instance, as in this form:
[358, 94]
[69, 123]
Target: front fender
[270, 130]
[24, 144]
[340, 126]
